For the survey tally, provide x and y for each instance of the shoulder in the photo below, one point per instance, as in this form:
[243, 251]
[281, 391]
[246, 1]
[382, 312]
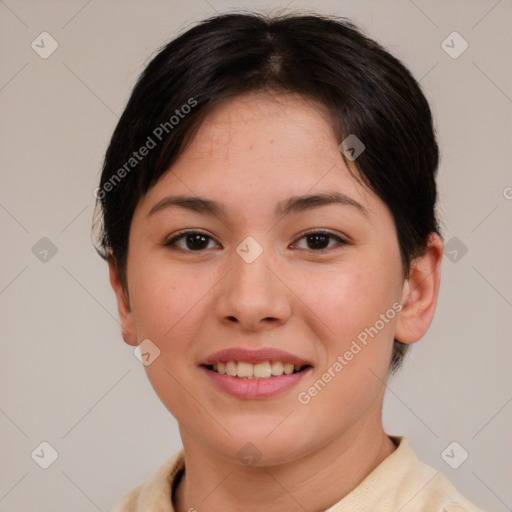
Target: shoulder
[440, 494]
[429, 490]
[403, 482]
[129, 501]
[155, 493]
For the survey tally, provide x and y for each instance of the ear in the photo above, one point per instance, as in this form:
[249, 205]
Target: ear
[419, 294]
[128, 330]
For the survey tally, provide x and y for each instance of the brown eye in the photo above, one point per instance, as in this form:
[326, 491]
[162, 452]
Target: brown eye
[191, 241]
[318, 241]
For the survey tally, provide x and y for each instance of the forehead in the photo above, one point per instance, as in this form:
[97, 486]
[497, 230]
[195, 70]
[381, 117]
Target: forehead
[288, 122]
[257, 149]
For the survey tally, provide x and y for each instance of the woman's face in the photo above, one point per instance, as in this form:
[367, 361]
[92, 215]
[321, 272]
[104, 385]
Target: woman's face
[254, 280]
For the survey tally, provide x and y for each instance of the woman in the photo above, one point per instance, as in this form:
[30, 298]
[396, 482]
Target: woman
[268, 211]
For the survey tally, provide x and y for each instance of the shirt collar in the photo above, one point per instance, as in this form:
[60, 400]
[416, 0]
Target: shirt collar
[382, 485]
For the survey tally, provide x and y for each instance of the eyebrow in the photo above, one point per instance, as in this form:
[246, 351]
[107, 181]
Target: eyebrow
[293, 205]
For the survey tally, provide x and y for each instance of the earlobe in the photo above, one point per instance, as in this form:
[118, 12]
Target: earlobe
[420, 292]
[126, 320]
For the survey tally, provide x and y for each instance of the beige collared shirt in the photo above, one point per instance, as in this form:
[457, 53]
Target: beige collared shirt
[401, 483]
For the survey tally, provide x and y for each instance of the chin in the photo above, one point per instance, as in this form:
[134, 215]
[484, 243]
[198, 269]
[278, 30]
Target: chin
[257, 448]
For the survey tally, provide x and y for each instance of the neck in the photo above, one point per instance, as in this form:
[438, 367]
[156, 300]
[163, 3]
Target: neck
[314, 482]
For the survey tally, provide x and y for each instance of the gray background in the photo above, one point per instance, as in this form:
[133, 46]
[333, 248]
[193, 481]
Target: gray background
[67, 377]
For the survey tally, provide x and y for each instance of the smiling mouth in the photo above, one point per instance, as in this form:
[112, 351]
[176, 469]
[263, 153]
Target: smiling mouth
[263, 370]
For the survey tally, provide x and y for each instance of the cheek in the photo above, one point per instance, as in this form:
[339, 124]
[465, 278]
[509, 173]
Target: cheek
[165, 303]
[168, 305]
[349, 300]
[166, 300]
[357, 341]
[358, 308]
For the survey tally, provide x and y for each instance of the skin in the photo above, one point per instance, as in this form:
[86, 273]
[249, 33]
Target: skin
[252, 152]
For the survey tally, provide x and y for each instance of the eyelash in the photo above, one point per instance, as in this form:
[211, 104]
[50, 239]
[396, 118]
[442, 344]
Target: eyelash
[172, 242]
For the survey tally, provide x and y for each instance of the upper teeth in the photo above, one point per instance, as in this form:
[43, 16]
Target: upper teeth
[260, 371]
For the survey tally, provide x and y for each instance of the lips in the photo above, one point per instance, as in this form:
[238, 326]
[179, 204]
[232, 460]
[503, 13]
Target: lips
[255, 374]
[254, 357]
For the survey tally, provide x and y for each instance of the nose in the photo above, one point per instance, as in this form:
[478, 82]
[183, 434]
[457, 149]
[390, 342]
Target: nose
[253, 294]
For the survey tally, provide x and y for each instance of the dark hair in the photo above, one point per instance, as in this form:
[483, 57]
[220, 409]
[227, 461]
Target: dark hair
[369, 93]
